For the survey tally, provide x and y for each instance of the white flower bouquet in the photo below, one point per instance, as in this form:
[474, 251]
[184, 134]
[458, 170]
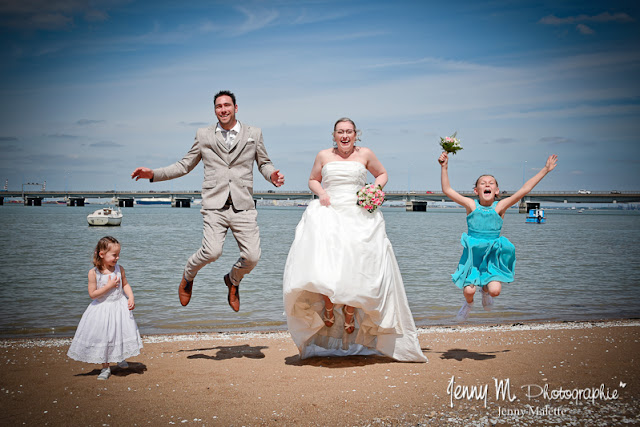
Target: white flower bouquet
[450, 144]
[370, 197]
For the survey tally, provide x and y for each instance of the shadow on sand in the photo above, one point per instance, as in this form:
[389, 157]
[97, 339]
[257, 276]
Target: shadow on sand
[134, 368]
[228, 352]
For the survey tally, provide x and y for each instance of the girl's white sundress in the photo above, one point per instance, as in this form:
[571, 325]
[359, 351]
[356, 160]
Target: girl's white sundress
[107, 331]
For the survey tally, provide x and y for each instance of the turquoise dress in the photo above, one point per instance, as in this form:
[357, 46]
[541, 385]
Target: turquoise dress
[486, 255]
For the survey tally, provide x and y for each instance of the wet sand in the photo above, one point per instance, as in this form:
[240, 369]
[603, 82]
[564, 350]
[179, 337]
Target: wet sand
[530, 374]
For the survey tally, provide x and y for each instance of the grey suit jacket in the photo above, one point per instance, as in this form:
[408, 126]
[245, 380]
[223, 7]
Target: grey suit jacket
[227, 171]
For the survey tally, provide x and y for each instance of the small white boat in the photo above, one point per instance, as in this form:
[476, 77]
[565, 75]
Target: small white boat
[105, 216]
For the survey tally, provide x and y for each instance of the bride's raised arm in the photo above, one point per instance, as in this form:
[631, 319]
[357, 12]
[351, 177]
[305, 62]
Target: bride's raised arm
[375, 167]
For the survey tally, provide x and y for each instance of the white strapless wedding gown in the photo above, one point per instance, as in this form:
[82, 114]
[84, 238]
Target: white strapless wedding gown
[342, 251]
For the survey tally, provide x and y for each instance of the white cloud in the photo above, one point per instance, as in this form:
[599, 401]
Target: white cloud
[255, 19]
[105, 144]
[52, 15]
[580, 20]
[602, 17]
[88, 122]
[62, 136]
[208, 27]
[49, 21]
[585, 29]
[557, 140]
[33, 7]
[305, 16]
[506, 140]
[434, 64]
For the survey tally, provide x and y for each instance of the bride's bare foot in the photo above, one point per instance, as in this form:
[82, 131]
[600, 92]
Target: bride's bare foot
[349, 320]
[329, 318]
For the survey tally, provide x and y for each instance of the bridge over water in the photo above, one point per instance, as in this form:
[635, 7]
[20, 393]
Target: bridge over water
[127, 198]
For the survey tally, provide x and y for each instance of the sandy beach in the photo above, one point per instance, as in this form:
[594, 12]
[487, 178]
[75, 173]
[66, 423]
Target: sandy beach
[530, 374]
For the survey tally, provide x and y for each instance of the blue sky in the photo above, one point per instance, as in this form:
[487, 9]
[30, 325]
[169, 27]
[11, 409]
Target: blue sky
[92, 89]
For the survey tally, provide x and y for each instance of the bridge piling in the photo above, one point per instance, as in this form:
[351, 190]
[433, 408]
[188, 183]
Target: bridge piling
[32, 201]
[415, 206]
[525, 207]
[179, 202]
[125, 202]
[75, 201]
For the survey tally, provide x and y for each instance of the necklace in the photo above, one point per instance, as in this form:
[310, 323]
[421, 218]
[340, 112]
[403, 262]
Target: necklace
[343, 154]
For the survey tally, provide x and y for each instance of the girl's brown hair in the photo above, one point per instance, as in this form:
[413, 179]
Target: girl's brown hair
[494, 178]
[486, 174]
[103, 245]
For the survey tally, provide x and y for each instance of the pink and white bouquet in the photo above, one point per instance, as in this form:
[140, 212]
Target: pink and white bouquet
[370, 197]
[450, 144]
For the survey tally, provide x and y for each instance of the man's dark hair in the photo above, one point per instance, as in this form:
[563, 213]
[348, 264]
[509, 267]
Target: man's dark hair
[223, 93]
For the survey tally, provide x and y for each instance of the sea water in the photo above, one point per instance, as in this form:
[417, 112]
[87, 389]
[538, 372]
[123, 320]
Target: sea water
[575, 267]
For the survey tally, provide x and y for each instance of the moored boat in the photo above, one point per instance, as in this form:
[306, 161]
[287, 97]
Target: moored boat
[536, 216]
[154, 201]
[105, 216]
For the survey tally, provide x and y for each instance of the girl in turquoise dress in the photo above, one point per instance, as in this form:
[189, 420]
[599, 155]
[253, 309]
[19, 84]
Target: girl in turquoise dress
[488, 259]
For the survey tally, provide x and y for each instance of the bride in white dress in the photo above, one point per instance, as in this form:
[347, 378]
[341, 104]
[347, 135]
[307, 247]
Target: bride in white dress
[343, 292]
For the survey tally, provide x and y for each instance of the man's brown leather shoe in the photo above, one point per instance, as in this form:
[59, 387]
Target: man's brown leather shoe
[184, 291]
[233, 297]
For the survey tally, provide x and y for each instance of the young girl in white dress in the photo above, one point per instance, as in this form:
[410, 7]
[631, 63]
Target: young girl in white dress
[107, 331]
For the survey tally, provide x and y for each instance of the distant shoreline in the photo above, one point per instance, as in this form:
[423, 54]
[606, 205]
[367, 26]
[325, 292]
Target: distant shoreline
[277, 333]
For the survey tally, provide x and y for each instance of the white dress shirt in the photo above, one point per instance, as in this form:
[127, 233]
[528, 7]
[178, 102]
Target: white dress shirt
[229, 135]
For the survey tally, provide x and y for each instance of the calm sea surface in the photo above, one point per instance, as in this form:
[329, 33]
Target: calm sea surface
[575, 267]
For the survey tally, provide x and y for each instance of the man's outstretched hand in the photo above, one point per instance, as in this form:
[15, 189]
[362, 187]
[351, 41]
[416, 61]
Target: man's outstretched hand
[276, 178]
[144, 173]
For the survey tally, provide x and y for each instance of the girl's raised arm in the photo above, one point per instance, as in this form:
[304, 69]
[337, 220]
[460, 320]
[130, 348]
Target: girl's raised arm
[466, 202]
[505, 204]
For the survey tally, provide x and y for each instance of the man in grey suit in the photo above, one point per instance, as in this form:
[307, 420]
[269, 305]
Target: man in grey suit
[227, 151]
